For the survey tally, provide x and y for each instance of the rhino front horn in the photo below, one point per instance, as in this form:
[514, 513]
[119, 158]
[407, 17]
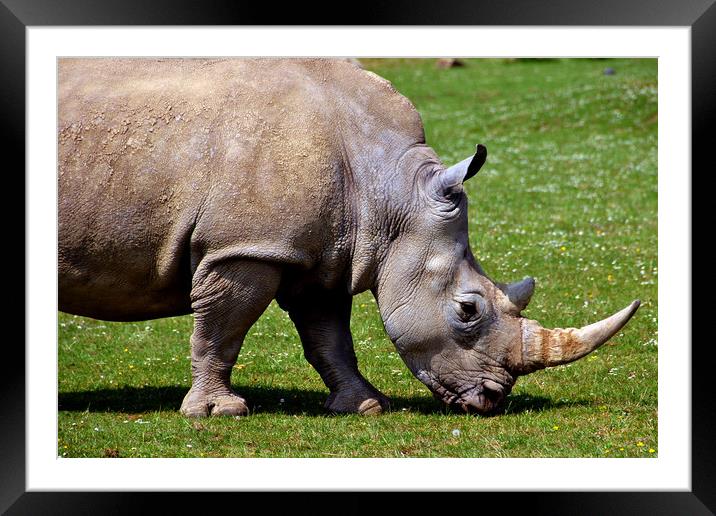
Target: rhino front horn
[547, 348]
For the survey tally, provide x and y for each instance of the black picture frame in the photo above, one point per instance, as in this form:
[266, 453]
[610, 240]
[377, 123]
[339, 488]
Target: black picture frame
[699, 15]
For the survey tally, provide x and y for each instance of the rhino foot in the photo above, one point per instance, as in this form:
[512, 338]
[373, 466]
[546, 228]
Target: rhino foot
[352, 403]
[223, 405]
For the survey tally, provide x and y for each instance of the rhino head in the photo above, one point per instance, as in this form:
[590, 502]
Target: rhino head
[459, 332]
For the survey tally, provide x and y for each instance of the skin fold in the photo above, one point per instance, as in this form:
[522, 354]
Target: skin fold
[215, 186]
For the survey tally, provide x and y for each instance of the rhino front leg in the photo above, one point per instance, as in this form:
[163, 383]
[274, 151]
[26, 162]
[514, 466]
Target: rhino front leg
[227, 298]
[323, 323]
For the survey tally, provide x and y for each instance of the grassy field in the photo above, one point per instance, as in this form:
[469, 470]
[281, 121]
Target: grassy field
[568, 195]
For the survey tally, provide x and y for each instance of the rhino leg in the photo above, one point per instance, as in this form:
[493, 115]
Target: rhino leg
[323, 323]
[227, 298]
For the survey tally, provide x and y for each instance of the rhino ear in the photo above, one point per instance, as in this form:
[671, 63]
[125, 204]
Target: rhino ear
[457, 174]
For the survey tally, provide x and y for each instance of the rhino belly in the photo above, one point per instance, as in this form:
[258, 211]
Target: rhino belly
[123, 258]
[113, 301]
[121, 288]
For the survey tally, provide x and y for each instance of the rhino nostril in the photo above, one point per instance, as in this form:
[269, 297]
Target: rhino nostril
[492, 395]
[480, 404]
[486, 401]
[493, 391]
[492, 386]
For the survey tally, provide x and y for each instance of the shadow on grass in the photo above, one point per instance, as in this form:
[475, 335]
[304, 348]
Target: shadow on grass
[514, 404]
[169, 399]
[519, 403]
[275, 400]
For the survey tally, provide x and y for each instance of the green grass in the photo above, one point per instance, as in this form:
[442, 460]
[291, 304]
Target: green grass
[568, 195]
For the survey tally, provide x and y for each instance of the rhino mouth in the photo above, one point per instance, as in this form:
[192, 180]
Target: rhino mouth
[483, 397]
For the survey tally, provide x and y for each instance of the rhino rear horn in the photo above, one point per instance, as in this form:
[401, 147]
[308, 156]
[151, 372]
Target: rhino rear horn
[467, 168]
[518, 294]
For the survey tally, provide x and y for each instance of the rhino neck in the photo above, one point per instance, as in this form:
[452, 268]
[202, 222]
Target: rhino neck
[370, 199]
[377, 130]
[384, 199]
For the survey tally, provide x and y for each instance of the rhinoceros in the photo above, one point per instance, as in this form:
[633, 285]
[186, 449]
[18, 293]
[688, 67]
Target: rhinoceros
[214, 186]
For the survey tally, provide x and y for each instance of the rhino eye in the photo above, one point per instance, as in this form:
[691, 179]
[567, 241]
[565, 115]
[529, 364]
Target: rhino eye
[471, 309]
[468, 308]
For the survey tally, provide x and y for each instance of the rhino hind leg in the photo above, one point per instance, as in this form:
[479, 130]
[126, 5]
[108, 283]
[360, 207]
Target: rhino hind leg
[227, 298]
[322, 320]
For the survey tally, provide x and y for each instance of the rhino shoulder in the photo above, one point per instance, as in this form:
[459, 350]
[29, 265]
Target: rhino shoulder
[372, 99]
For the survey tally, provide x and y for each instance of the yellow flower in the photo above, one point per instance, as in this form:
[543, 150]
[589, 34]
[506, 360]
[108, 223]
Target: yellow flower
[651, 450]
[562, 249]
[610, 277]
[555, 427]
[640, 444]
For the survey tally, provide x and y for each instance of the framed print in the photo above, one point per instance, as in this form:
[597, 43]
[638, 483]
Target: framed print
[83, 455]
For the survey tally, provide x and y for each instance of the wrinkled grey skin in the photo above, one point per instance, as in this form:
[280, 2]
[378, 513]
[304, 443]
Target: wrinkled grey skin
[214, 186]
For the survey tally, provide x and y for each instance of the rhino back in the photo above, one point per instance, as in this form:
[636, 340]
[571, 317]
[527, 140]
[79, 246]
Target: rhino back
[168, 164]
